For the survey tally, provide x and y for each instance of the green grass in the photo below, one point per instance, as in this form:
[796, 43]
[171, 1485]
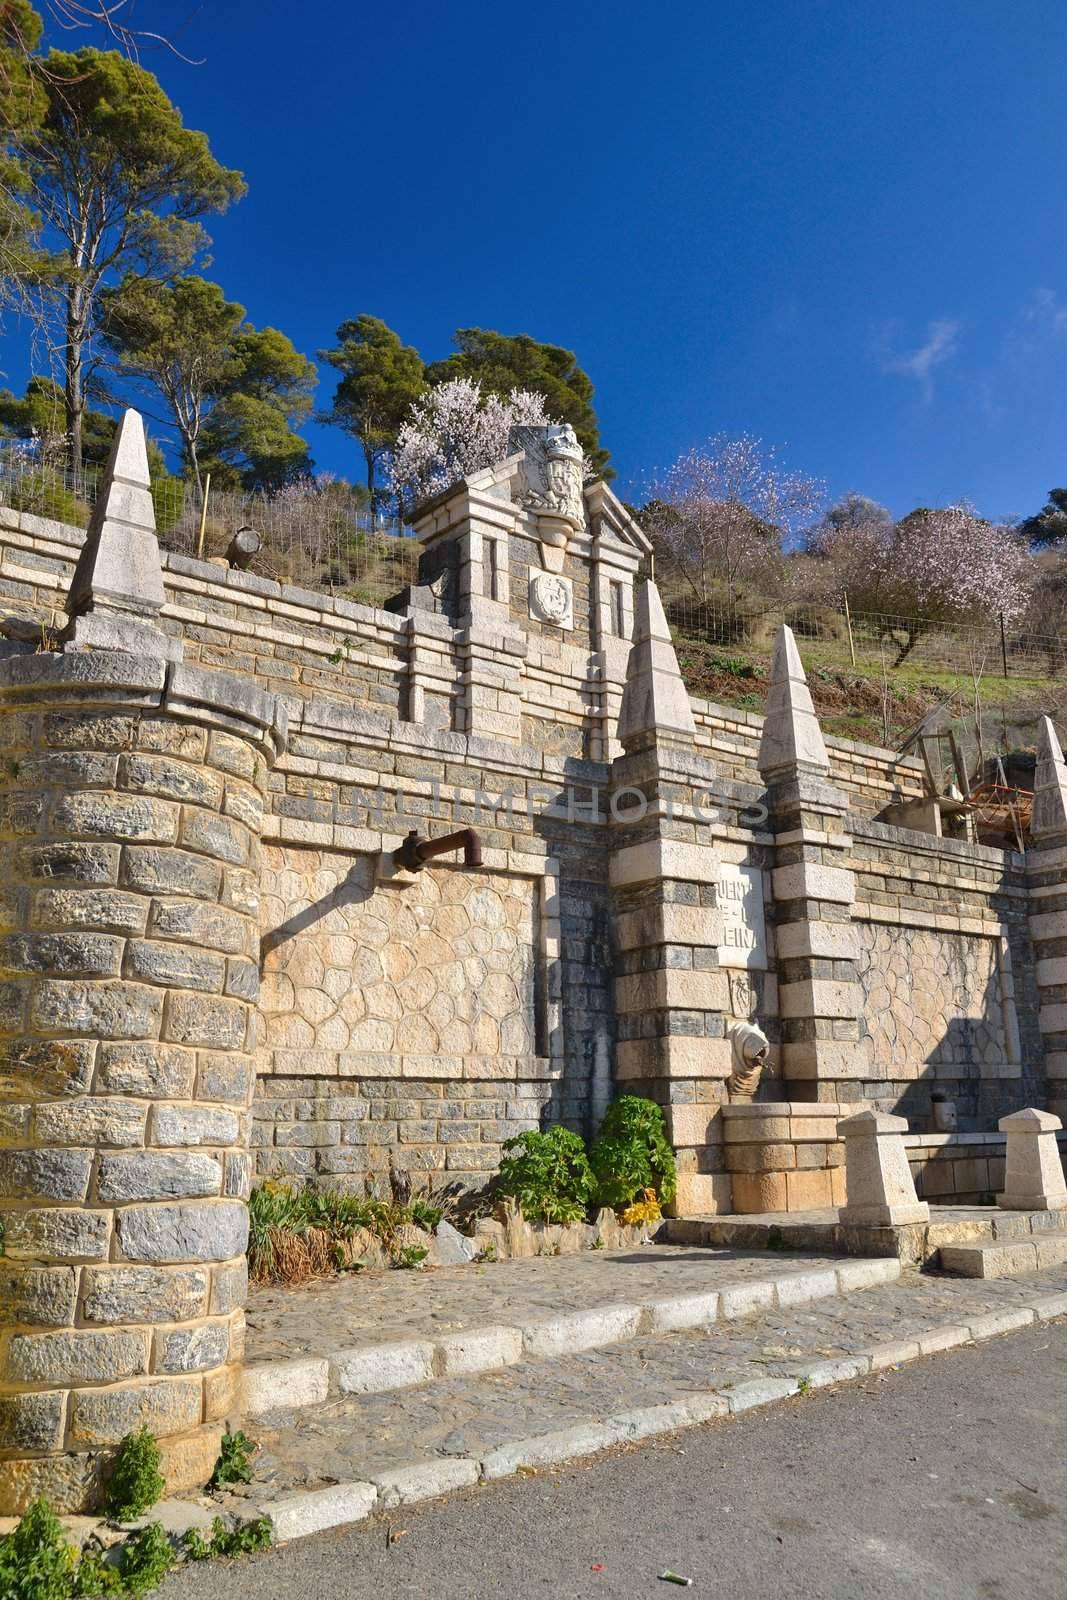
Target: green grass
[296, 1234]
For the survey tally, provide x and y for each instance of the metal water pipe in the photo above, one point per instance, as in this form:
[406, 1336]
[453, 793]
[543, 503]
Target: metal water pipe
[414, 853]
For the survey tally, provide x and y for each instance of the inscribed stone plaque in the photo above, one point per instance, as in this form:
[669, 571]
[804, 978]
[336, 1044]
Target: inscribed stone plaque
[744, 937]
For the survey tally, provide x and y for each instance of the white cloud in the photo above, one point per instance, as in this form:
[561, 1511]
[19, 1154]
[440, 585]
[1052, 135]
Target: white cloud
[1046, 312]
[938, 347]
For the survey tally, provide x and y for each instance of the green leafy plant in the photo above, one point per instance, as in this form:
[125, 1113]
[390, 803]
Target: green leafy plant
[548, 1174]
[136, 1481]
[631, 1153]
[226, 1542]
[96, 1576]
[426, 1216]
[235, 1460]
[804, 1386]
[146, 1559]
[736, 666]
[410, 1256]
[36, 1562]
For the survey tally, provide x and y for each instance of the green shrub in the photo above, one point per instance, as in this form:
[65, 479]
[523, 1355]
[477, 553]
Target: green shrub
[146, 1559]
[548, 1174]
[44, 494]
[136, 1481]
[36, 1562]
[224, 1542]
[631, 1153]
[235, 1460]
[736, 666]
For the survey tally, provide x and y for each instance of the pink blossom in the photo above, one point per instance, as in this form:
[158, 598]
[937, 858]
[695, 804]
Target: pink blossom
[453, 430]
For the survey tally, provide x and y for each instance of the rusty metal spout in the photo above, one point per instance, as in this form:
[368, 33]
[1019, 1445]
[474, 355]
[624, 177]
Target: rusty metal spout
[414, 853]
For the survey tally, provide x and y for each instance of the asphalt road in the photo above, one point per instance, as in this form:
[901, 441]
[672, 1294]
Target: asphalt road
[947, 1479]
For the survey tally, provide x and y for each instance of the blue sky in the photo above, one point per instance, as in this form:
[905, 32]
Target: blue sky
[839, 224]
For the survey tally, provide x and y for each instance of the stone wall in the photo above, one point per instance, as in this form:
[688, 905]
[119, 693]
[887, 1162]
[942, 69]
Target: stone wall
[385, 710]
[131, 799]
[655, 872]
[784, 1156]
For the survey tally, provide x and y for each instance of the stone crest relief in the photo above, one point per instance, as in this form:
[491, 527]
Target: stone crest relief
[550, 485]
[551, 599]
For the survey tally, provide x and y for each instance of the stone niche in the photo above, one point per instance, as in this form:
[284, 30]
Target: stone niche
[432, 981]
[938, 1006]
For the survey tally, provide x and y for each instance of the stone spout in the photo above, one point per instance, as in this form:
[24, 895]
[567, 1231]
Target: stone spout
[750, 1046]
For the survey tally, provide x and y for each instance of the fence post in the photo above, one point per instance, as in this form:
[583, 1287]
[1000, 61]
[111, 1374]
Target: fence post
[1003, 646]
[203, 519]
[848, 624]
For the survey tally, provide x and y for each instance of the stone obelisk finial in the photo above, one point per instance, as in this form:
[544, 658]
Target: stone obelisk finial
[655, 701]
[792, 739]
[116, 595]
[1050, 784]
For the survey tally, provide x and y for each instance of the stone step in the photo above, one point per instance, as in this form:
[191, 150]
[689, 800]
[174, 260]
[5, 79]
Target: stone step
[358, 1454]
[914, 1243]
[1010, 1258]
[680, 1293]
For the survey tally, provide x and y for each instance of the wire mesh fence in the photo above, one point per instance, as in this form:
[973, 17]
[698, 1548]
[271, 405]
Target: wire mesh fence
[317, 535]
[320, 535]
[870, 641]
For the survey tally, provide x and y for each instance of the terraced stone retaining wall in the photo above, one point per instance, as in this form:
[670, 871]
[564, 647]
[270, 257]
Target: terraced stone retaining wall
[395, 718]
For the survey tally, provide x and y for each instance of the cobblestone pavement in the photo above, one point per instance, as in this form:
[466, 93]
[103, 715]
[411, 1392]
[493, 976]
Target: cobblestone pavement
[321, 1317]
[355, 1437]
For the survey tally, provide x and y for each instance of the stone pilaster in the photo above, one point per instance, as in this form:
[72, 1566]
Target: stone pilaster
[131, 797]
[670, 993]
[1046, 872]
[819, 997]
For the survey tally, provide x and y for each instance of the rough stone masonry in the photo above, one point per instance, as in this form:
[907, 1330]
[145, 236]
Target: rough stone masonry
[212, 967]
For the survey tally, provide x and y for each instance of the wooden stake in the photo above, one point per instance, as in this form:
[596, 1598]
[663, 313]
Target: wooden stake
[203, 519]
[851, 640]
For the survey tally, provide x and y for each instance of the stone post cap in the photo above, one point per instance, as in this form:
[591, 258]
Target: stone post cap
[872, 1122]
[791, 740]
[1030, 1120]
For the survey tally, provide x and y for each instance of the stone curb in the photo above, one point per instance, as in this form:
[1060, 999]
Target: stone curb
[312, 1510]
[401, 1363]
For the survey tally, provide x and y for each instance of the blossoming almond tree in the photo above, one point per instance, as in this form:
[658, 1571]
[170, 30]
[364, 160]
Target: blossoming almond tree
[724, 508]
[934, 565]
[454, 429]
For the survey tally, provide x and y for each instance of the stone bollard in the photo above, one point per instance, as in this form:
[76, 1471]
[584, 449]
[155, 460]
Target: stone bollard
[878, 1180]
[1033, 1178]
[131, 799]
